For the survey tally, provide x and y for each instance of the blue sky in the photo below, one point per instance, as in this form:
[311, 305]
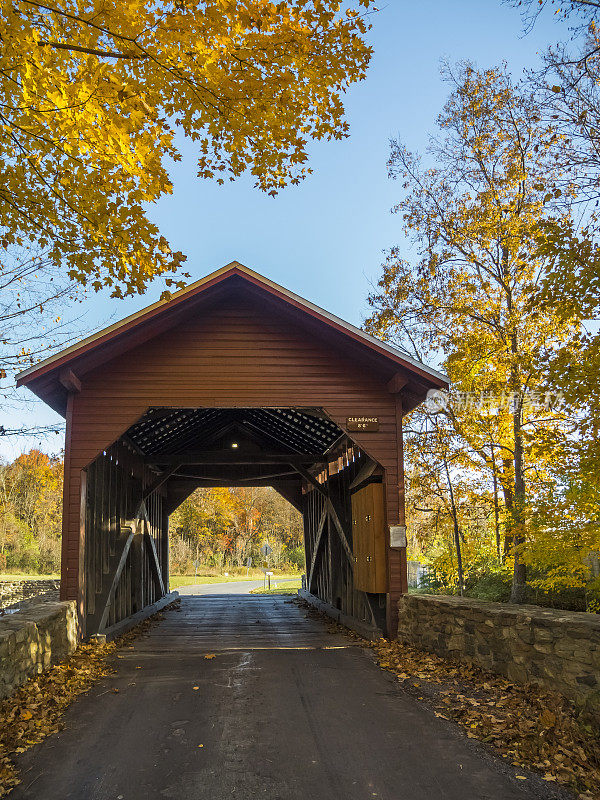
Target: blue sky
[326, 238]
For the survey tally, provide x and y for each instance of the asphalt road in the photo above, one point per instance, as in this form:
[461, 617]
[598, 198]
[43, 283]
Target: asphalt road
[285, 710]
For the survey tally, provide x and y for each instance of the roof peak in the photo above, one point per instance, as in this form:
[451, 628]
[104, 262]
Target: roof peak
[196, 288]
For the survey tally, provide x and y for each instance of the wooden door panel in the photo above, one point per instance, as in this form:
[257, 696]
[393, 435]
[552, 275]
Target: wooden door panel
[368, 526]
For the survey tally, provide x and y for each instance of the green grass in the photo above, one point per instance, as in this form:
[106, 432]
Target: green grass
[27, 576]
[290, 587]
[190, 580]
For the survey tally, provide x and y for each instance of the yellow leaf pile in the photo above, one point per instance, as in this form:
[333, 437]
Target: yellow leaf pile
[35, 711]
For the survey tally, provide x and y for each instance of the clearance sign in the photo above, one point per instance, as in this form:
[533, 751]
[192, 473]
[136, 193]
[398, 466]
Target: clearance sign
[355, 424]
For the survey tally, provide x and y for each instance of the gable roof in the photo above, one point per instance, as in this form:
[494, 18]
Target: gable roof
[159, 316]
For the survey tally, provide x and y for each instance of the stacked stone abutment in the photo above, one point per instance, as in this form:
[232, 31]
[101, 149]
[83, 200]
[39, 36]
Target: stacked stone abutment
[17, 590]
[31, 641]
[526, 644]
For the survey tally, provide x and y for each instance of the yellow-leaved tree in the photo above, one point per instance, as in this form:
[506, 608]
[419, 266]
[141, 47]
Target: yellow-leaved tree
[92, 94]
[474, 220]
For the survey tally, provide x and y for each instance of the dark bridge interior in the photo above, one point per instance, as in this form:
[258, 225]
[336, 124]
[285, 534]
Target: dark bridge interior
[133, 487]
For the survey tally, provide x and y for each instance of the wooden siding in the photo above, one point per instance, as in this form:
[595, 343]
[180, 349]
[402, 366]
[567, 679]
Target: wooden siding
[238, 353]
[330, 569]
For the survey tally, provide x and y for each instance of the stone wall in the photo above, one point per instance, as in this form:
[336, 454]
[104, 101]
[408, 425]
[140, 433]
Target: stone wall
[34, 639]
[13, 592]
[526, 644]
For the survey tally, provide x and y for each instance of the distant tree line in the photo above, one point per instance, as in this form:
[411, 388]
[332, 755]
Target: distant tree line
[31, 513]
[223, 528]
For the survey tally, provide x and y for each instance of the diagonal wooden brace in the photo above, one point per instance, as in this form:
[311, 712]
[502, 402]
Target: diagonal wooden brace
[106, 599]
[317, 545]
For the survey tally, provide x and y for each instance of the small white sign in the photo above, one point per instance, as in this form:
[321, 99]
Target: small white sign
[397, 535]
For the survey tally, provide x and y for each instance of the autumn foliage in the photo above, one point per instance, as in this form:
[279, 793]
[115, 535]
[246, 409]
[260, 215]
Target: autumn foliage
[31, 513]
[93, 96]
[500, 471]
[222, 528]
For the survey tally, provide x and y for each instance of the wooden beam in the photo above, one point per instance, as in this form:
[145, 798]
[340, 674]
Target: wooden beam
[329, 506]
[202, 481]
[262, 435]
[293, 494]
[233, 457]
[365, 472]
[340, 529]
[151, 546]
[69, 380]
[130, 443]
[397, 383]
[249, 481]
[308, 476]
[341, 439]
[318, 539]
[154, 563]
[156, 484]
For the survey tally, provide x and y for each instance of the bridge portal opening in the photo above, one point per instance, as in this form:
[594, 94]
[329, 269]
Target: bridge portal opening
[133, 487]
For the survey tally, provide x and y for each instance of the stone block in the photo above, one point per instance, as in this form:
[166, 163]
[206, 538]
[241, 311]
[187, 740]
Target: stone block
[517, 673]
[582, 655]
[587, 679]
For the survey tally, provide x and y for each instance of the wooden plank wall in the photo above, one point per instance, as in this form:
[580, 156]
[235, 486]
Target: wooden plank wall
[238, 353]
[114, 484]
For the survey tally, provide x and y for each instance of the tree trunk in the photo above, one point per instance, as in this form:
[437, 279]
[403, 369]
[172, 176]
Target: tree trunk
[459, 564]
[507, 491]
[519, 584]
[496, 507]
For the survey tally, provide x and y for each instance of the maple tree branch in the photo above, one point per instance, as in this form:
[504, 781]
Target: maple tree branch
[91, 51]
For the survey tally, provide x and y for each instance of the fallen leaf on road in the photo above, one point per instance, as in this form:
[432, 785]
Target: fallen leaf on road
[209, 655]
[195, 688]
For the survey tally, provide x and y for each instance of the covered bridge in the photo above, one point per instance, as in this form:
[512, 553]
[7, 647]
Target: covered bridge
[234, 381]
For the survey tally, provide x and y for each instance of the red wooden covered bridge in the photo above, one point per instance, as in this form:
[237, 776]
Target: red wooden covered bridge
[234, 381]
